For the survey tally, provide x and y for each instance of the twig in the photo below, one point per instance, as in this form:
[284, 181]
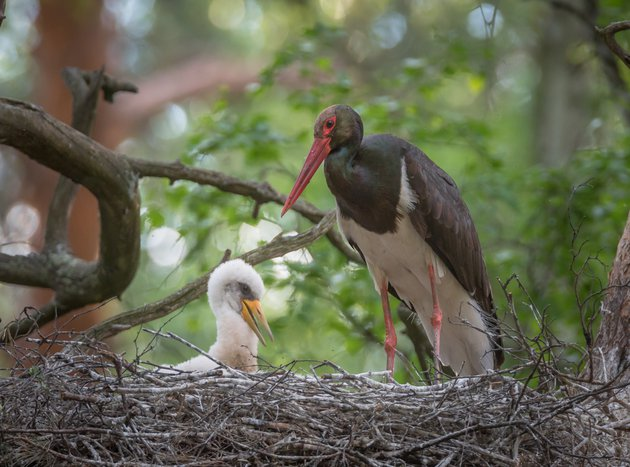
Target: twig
[260, 192]
[608, 34]
[3, 4]
[171, 335]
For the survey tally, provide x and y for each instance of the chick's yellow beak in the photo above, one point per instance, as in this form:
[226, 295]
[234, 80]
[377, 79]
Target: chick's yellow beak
[254, 317]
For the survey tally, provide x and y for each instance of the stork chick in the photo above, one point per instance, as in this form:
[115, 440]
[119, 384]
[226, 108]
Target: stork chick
[234, 292]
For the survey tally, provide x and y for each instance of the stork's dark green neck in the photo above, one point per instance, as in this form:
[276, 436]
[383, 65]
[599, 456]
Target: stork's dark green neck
[366, 182]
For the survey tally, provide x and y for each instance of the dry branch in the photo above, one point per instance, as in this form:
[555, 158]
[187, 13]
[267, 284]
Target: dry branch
[102, 410]
[85, 88]
[608, 34]
[3, 4]
[606, 47]
[109, 178]
[259, 192]
[279, 246]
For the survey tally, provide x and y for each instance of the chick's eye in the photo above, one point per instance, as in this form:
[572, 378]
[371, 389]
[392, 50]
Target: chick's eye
[245, 289]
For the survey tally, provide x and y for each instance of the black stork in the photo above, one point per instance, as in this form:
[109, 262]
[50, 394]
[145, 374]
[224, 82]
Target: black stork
[406, 218]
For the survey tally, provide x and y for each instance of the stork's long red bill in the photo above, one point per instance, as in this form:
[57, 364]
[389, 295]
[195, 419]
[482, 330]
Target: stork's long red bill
[319, 150]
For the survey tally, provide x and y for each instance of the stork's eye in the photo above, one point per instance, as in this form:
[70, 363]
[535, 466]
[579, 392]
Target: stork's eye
[329, 125]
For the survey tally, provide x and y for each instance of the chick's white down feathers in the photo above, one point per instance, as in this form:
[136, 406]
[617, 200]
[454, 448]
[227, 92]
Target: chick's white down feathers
[236, 344]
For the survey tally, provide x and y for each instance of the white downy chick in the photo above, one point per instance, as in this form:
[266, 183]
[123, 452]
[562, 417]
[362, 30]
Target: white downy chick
[234, 292]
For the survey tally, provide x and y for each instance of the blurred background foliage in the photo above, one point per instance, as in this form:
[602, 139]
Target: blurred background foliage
[510, 98]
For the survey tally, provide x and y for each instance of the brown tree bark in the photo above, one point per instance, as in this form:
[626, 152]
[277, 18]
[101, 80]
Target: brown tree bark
[611, 352]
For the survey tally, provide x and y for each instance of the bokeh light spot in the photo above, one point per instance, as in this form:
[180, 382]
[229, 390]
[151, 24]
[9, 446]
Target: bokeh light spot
[165, 246]
[389, 30]
[171, 123]
[485, 21]
[335, 9]
[21, 222]
[226, 14]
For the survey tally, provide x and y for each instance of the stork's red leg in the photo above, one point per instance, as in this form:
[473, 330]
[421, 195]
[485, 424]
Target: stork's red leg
[390, 331]
[436, 317]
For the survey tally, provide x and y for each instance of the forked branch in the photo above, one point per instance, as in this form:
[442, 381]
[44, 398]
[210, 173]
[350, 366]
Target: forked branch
[76, 282]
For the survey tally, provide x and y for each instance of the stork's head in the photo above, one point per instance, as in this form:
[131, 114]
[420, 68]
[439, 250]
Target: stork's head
[235, 287]
[338, 126]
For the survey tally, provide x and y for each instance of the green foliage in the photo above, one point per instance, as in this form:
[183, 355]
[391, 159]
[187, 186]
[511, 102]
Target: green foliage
[467, 102]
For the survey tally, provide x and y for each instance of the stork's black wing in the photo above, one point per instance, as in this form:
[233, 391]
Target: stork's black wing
[442, 218]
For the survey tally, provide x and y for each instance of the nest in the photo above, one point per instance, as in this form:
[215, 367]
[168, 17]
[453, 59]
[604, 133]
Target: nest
[91, 407]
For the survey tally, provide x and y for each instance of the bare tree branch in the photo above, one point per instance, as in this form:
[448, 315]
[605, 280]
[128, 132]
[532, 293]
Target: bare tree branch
[24, 270]
[606, 47]
[56, 236]
[3, 4]
[608, 34]
[279, 246]
[114, 183]
[85, 87]
[259, 192]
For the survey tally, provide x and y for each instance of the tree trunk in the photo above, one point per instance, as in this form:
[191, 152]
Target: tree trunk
[561, 111]
[611, 353]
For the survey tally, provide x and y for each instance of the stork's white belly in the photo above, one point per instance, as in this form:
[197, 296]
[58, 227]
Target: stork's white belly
[403, 258]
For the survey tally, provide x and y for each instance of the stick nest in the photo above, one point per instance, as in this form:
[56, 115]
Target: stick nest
[91, 407]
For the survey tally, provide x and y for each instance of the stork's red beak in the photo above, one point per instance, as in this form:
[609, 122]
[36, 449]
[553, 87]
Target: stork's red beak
[319, 150]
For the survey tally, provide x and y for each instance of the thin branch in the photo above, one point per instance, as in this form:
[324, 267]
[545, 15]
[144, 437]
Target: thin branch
[259, 192]
[606, 47]
[608, 34]
[84, 89]
[3, 4]
[279, 246]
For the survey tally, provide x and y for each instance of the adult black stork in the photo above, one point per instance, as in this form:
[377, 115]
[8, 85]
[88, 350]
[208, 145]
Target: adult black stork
[406, 218]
